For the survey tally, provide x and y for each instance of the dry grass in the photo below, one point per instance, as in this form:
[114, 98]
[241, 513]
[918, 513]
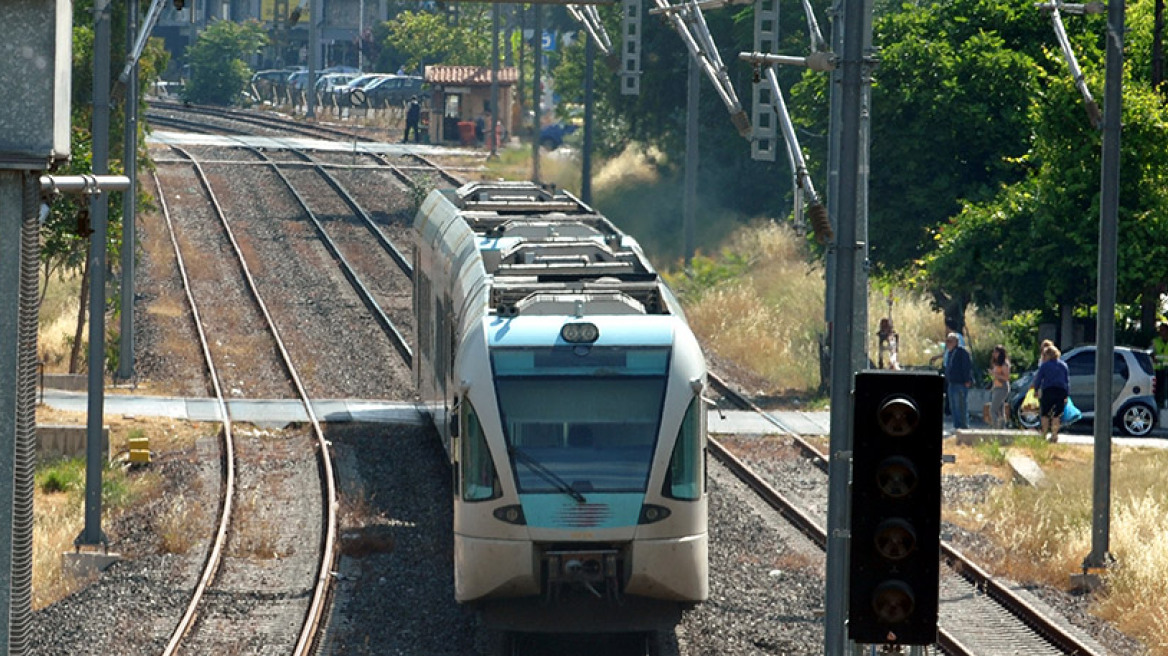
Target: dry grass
[1045, 533]
[57, 520]
[174, 525]
[58, 322]
[253, 533]
[58, 517]
[771, 317]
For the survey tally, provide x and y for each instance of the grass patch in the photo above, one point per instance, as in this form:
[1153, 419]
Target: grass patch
[991, 452]
[1045, 532]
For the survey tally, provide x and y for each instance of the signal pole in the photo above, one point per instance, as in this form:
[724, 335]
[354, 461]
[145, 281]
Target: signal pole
[850, 286]
[1105, 318]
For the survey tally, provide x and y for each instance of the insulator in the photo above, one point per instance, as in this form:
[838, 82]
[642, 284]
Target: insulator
[820, 223]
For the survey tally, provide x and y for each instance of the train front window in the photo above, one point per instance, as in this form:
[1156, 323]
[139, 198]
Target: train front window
[589, 416]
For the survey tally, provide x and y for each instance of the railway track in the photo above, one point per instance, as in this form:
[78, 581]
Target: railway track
[423, 166]
[980, 615]
[200, 626]
[968, 582]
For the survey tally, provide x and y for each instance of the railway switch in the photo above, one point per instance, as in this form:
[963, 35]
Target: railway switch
[896, 508]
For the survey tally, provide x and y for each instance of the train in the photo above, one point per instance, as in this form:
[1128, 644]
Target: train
[567, 389]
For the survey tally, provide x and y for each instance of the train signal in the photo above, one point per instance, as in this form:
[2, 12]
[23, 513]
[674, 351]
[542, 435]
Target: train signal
[896, 508]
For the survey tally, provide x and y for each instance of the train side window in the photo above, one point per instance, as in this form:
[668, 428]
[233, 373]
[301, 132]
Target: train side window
[480, 482]
[683, 479]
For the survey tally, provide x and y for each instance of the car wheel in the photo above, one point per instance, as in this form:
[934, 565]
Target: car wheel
[548, 143]
[1027, 419]
[1137, 420]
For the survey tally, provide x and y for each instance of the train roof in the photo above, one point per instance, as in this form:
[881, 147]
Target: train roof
[547, 252]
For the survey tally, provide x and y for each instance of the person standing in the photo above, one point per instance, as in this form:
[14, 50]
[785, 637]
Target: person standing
[413, 116]
[1000, 372]
[958, 378]
[1160, 352]
[888, 343]
[1053, 384]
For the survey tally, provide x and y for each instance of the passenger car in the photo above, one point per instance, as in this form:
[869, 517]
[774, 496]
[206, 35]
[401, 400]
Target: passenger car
[552, 136]
[1133, 407]
[396, 90]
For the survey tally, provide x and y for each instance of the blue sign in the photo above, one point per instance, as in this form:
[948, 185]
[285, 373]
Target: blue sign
[548, 42]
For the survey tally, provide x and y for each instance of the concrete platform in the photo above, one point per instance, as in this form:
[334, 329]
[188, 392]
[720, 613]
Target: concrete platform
[277, 412]
[745, 422]
[86, 564]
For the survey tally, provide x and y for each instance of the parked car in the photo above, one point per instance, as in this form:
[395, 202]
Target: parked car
[396, 90]
[273, 76]
[329, 82]
[298, 78]
[1133, 406]
[343, 93]
[552, 136]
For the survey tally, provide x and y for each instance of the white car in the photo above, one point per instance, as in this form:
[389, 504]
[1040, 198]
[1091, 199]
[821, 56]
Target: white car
[1133, 404]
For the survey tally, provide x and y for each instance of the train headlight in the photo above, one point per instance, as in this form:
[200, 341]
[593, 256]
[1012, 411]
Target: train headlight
[579, 333]
[510, 514]
[651, 514]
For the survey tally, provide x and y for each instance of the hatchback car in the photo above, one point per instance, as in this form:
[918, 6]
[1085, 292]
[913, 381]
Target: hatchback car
[1133, 405]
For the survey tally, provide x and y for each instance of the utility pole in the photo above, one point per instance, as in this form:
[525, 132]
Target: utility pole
[690, 194]
[492, 129]
[536, 94]
[849, 301]
[129, 205]
[313, 65]
[1105, 319]
[586, 156]
[92, 534]
[1158, 47]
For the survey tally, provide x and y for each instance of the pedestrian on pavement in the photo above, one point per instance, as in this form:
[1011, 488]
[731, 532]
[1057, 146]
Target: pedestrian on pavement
[1160, 351]
[958, 378]
[1053, 384]
[413, 116]
[1000, 373]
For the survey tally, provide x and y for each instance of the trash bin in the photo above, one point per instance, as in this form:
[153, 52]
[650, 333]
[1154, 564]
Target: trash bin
[466, 133]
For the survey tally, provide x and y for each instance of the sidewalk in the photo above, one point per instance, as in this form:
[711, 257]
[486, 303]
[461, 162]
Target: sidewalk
[261, 411]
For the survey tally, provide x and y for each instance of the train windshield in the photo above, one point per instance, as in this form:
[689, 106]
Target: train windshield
[580, 419]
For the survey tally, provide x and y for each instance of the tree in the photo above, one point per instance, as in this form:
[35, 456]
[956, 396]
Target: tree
[218, 72]
[424, 37]
[65, 235]
[1034, 245]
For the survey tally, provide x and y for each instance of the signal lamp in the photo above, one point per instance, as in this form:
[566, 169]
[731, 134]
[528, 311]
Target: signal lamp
[580, 333]
[896, 508]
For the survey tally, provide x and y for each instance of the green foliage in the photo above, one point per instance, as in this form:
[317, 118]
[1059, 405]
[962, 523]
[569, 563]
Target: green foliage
[218, 72]
[950, 101]
[707, 273]
[61, 476]
[68, 475]
[1034, 245]
[424, 37]
[991, 452]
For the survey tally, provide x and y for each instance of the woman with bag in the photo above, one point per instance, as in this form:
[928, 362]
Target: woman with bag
[1000, 373]
[1053, 382]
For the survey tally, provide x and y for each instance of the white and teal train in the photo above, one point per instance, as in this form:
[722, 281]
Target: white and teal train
[567, 389]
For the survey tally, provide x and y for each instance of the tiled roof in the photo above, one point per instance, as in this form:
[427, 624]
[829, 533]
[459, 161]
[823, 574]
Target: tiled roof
[469, 75]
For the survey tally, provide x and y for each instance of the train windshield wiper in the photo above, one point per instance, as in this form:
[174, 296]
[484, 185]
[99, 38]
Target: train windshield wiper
[546, 474]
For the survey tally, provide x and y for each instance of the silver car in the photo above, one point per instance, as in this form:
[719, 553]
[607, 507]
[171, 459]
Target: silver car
[1133, 405]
